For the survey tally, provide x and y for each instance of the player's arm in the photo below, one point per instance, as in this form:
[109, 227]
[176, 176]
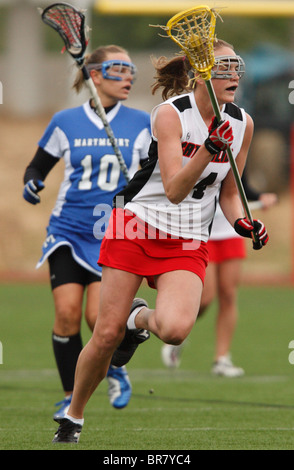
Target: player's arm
[178, 180]
[35, 174]
[229, 197]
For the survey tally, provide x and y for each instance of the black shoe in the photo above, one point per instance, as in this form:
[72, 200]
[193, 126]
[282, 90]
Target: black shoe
[131, 341]
[67, 432]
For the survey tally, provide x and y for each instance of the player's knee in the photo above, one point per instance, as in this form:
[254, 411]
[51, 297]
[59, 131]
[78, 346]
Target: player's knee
[228, 297]
[109, 337]
[67, 320]
[174, 334]
[90, 317]
[173, 339]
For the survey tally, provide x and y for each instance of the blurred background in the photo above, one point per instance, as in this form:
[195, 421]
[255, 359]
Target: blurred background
[36, 81]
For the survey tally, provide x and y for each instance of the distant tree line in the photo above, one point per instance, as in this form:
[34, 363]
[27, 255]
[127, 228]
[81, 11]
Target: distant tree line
[135, 33]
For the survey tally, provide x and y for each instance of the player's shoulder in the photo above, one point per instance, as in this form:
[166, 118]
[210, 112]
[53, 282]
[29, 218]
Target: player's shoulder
[67, 114]
[182, 102]
[134, 113]
[234, 111]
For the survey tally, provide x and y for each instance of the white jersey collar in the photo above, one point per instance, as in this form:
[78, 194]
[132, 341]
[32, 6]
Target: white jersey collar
[93, 116]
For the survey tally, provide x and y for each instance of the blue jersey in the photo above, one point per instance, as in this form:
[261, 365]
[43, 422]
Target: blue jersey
[92, 174]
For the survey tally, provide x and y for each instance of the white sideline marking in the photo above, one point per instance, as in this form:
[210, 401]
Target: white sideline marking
[139, 375]
[179, 429]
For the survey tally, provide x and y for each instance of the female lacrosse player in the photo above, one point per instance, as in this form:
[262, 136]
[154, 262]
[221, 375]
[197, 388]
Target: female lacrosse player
[77, 224]
[160, 225]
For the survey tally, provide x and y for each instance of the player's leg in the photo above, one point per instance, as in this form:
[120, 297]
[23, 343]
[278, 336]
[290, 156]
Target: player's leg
[177, 305]
[92, 303]
[228, 282]
[119, 385]
[209, 288]
[67, 282]
[171, 354]
[68, 299]
[66, 338]
[108, 333]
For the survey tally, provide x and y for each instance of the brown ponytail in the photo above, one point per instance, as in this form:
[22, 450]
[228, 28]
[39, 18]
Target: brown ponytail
[171, 75]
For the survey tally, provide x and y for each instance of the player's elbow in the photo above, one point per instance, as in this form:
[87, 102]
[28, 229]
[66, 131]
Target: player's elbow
[173, 195]
[174, 198]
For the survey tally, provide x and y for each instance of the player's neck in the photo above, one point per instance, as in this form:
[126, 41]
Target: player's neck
[205, 107]
[106, 108]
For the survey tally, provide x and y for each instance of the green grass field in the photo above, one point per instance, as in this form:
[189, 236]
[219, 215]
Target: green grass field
[189, 409]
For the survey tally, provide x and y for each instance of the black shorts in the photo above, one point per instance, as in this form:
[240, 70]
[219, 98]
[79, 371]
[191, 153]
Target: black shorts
[64, 269]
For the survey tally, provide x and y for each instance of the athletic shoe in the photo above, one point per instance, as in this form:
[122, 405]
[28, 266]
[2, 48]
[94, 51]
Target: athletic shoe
[225, 368]
[64, 407]
[67, 432]
[131, 341]
[119, 386]
[170, 355]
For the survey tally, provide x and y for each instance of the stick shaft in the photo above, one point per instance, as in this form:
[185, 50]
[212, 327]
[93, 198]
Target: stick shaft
[101, 113]
[65, 30]
[243, 198]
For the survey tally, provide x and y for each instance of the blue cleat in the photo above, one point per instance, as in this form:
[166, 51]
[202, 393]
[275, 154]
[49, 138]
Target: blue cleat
[119, 386]
[64, 406]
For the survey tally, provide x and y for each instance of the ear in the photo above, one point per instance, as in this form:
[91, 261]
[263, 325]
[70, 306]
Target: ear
[96, 77]
[200, 81]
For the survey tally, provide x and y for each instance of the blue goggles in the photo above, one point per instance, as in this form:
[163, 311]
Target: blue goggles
[115, 69]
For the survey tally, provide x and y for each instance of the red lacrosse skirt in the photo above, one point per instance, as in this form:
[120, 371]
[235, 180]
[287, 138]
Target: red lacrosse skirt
[224, 250]
[132, 245]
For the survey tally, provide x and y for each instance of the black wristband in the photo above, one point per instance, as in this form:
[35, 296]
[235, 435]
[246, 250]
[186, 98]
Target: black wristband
[211, 147]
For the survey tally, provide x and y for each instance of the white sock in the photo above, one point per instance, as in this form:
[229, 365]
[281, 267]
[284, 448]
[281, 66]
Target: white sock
[75, 420]
[131, 320]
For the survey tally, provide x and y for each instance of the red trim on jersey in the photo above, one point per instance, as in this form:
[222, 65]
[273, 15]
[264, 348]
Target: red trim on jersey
[149, 255]
[224, 250]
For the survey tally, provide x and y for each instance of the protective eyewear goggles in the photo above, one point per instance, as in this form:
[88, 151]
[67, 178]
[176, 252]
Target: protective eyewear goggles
[225, 67]
[115, 69]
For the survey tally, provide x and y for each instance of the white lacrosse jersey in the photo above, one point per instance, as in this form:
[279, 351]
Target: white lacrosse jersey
[221, 227]
[92, 174]
[145, 195]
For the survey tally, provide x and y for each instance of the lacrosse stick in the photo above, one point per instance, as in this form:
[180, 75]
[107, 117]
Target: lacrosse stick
[70, 25]
[193, 31]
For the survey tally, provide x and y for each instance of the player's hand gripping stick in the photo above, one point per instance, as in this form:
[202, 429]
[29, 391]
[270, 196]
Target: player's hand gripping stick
[220, 136]
[244, 228]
